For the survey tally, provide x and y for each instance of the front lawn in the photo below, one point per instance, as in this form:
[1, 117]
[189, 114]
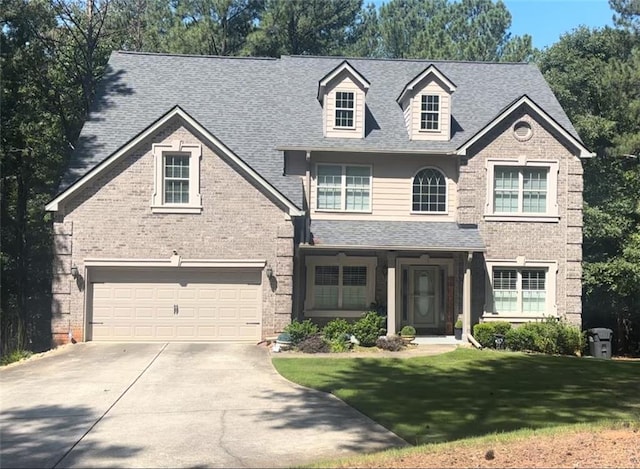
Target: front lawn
[468, 392]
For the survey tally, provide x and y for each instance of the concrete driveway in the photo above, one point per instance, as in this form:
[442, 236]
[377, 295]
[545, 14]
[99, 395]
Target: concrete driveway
[171, 405]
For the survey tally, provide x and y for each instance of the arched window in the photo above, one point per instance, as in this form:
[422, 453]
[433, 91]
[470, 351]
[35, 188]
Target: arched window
[429, 191]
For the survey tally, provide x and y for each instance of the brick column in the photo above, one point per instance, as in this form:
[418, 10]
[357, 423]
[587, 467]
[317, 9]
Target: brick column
[284, 276]
[61, 283]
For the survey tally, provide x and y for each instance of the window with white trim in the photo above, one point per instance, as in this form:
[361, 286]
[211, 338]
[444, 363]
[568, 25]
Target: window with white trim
[343, 188]
[340, 283]
[429, 191]
[430, 112]
[521, 188]
[177, 178]
[519, 290]
[345, 107]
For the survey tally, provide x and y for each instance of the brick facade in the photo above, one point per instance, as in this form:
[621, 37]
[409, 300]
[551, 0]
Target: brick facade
[112, 218]
[560, 240]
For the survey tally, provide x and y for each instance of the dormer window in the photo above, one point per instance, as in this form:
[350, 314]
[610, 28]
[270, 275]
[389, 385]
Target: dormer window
[342, 94]
[426, 104]
[345, 106]
[430, 112]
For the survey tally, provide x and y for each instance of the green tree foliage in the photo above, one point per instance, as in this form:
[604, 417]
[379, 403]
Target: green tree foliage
[440, 29]
[596, 76]
[142, 25]
[53, 54]
[627, 13]
[297, 27]
[212, 27]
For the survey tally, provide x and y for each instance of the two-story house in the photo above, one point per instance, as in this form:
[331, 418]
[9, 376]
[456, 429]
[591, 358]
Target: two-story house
[215, 198]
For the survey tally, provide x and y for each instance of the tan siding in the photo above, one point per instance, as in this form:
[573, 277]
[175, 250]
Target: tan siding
[345, 84]
[407, 116]
[413, 121]
[391, 185]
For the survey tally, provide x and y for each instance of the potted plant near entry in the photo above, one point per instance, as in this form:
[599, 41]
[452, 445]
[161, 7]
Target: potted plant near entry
[408, 334]
[457, 329]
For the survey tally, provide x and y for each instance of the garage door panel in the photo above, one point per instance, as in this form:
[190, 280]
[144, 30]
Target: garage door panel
[211, 305]
[143, 312]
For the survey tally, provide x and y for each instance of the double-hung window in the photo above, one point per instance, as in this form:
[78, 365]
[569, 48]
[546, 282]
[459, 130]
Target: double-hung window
[430, 112]
[176, 179]
[344, 188]
[340, 287]
[521, 188]
[518, 291]
[340, 283]
[345, 106]
[176, 187]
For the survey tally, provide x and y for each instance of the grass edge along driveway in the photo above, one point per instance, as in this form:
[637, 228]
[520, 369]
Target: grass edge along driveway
[468, 393]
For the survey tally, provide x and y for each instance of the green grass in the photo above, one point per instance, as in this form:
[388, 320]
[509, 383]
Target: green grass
[468, 393]
[14, 356]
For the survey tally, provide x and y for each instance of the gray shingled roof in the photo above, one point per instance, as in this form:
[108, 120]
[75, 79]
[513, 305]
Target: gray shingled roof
[257, 105]
[396, 234]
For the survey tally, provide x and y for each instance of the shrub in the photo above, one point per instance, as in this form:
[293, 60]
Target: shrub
[458, 324]
[551, 336]
[301, 330]
[484, 332]
[520, 339]
[368, 328]
[338, 345]
[313, 344]
[408, 331]
[337, 329]
[392, 343]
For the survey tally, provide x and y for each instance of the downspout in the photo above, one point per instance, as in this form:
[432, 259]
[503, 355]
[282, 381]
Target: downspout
[307, 218]
[474, 342]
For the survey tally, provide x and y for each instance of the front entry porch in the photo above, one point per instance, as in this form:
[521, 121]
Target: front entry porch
[428, 291]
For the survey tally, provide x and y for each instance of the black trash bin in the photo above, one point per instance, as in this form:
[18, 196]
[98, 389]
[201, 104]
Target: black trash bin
[600, 342]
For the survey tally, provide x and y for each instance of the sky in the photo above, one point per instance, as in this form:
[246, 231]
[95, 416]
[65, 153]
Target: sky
[547, 20]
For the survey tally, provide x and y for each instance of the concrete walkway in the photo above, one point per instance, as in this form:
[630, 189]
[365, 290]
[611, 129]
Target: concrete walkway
[171, 405]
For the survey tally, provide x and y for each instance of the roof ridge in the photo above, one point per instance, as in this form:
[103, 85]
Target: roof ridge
[193, 56]
[389, 59]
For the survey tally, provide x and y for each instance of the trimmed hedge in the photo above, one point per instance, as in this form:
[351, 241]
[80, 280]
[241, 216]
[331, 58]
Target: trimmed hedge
[485, 331]
[551, 336]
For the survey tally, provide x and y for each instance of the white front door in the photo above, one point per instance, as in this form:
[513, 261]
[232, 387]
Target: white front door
[424, 301]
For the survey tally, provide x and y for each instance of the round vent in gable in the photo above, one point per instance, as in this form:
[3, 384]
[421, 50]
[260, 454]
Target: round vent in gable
[522, 131]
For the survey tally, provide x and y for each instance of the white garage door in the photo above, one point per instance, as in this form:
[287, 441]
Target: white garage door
[175, 305]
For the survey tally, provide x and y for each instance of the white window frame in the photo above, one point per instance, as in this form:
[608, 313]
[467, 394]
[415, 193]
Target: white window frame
[439, 113]
[194, 152]
[519, 264]
[340, 260]
[446, 193]
[343, 188]
[336, 109]
[550, 215]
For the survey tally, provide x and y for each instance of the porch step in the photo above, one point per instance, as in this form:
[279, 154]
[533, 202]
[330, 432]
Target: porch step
[437, 340]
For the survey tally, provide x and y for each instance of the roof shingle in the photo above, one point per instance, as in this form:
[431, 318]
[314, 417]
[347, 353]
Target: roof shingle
[255, 105]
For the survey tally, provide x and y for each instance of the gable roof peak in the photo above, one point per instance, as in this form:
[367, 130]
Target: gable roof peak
[430, 70]
[344, 66]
